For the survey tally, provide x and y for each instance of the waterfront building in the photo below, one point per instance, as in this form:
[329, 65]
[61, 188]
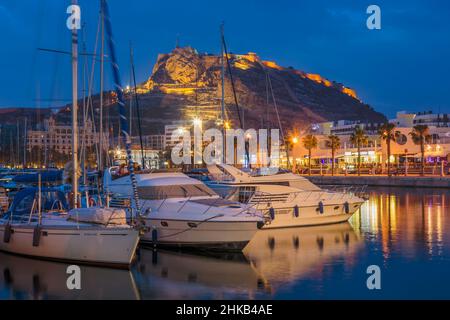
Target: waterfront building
[344, 127]
[404, 152]
[151, 156]
[405, 119]
[58, 137]
[152, 141]
[169, 129]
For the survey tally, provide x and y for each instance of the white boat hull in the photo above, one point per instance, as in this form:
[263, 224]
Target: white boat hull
[212, 235]
[310, 216]
[113, 247]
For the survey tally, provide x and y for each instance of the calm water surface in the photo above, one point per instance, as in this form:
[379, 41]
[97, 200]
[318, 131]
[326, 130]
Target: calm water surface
[406, 232]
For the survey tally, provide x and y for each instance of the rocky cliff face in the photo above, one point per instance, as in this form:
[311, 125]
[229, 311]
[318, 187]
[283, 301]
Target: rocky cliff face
[184, 84]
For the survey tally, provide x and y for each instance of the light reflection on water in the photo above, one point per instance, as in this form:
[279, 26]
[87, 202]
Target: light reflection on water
[404, 231]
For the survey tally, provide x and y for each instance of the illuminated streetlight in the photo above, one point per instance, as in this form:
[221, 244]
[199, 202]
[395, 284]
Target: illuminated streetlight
[295, 140]
[197, 122]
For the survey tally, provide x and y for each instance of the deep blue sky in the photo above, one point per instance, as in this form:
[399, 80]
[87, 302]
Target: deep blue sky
[404, 66]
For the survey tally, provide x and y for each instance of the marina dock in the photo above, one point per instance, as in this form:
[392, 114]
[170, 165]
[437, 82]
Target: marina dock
[383, 181]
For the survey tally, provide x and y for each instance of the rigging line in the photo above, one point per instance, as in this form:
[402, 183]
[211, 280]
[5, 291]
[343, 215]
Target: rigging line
[83, 142]
[232, 82]
[138, 113]
[279, 121]
[84, 53]
[90, 86]
[241, 122]
[276, 110]
[121, 103]
[275, 107]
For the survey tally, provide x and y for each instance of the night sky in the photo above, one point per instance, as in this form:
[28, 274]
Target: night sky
[403, 66]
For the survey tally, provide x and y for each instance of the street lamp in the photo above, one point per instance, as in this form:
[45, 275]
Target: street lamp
[294, 163]
[197, 122]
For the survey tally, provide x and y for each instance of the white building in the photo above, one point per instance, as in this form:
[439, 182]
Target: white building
[152, 141]
[343, 127]
[59, 137]
[405, 119]
[169, 129]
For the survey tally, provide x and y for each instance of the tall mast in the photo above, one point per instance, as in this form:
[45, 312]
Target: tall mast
[102, 55]
[121, 102]
[75, 113]
[85, 117]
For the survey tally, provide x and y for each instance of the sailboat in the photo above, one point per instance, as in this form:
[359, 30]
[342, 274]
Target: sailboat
[99, 236]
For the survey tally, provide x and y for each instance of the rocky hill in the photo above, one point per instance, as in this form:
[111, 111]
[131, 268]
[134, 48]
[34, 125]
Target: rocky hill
[185, 84]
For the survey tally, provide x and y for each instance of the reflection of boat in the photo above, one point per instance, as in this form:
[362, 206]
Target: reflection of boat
[22, 278]
[283, 255]
[225, 271]
[289, 200]
[181, 211]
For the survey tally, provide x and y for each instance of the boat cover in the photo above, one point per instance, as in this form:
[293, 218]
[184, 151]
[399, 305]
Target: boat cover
[97, 215]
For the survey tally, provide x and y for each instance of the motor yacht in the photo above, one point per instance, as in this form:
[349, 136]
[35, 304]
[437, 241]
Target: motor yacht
[286, 199]
[184, 212]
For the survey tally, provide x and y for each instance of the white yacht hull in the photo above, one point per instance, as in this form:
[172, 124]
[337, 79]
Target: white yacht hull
[310, 216]
[114, 247]
[212, 235]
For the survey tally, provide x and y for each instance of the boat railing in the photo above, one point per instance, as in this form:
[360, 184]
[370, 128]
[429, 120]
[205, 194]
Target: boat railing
[219, 178]
[335, 194]
[358, 191]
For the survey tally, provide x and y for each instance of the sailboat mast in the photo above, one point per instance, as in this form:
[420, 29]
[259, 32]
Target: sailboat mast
[102, 56]
[222, 97]
[121, 102]
[75, 113]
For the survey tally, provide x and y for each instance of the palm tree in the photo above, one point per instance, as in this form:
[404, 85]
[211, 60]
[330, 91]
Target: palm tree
[359, 138]
[388, 133]
[334, 143]
[309, 142]
[420, 135]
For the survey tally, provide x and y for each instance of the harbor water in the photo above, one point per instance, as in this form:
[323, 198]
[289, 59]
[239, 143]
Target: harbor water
[405, 232]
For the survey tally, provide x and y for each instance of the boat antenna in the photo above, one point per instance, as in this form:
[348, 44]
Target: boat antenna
[122, 110]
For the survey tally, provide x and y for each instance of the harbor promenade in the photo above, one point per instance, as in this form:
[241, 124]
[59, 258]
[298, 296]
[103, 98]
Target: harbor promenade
[415, 181]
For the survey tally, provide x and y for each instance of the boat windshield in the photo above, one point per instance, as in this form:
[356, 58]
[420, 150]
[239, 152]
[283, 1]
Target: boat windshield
[174, 191]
